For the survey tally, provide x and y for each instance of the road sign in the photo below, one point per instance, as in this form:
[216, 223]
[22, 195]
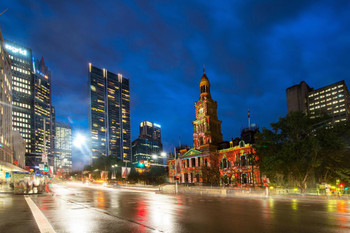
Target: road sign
[44, 158]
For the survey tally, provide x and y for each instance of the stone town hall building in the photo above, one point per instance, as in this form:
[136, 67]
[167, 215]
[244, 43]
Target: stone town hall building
[233, 162]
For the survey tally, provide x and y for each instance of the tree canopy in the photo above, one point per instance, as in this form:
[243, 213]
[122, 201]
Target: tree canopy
[300, 150]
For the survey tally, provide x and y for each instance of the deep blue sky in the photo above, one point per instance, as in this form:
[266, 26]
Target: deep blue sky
[252, 51]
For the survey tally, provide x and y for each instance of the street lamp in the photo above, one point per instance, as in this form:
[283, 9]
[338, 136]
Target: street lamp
[79, 140]
[163, 154]
[154, 156]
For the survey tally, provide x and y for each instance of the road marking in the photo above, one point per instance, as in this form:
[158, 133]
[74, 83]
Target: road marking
[41, 220]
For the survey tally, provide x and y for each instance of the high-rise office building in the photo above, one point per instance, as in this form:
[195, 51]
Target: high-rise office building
[109, 114]
[148, 146]
[22, 91]
[149, 130]
[31, 102]
[63, 147]
[43, 131]
[333, 100]
[297, 97]
[6, 139]
[19, 150]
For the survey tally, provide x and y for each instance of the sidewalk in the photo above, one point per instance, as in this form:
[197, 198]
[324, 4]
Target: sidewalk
[15, 215]
[245, 193]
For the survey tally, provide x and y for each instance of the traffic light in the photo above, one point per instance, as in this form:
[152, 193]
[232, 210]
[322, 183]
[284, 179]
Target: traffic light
[141, 164]
[46, 168]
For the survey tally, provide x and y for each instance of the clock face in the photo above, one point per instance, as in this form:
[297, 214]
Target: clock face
[201, 110]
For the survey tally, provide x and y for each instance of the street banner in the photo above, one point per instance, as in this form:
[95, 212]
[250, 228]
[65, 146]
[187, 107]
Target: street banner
[104, 174]
[44, 158]
[128, 170]
[41, 166]
[125, 172]
[51, 170]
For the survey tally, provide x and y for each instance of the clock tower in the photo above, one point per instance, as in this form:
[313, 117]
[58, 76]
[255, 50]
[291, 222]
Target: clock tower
[206, 128]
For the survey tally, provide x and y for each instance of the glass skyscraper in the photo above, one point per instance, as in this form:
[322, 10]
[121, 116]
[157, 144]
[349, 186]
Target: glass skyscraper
[22, 91]
[31, 103]
[43, 120]
[148, 143]
[109, 114]
[63, 147]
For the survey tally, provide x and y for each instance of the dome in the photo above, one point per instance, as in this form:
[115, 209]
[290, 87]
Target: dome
[204, 81]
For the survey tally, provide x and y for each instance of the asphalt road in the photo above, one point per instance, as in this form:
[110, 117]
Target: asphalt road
[81, 209]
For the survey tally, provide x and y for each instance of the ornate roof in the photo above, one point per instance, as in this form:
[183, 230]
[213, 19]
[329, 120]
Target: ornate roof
[191, 153]
[204, 80]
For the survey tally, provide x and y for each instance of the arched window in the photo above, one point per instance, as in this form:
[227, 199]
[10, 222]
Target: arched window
[243, 160]
[224, 163]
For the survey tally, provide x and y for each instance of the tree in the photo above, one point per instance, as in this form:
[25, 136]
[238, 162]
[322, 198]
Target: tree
[210, 172]
[299, 148]
[155, 175]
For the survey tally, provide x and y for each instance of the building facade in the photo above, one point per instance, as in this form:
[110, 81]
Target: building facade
[207, 128]
[22, 92]
[334, 100]
[6, 139]
[19, 150]
[32, 109]
[148, 144]
[297, 97]
[109, 114]
[233, 164]
[43, 120]
[63, 148]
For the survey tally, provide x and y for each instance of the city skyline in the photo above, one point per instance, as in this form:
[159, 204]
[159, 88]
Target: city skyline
[274, 50]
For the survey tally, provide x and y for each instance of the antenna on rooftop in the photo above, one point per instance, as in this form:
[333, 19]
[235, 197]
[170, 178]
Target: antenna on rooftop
[4, 11]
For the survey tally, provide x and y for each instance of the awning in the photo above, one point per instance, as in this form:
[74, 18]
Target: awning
[10, 167]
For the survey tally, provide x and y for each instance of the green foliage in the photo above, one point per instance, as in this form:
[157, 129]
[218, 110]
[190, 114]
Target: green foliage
[211, 173]
[154, 176]
[299, 148]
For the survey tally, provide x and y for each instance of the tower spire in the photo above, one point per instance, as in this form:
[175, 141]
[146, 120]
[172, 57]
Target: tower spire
[203, 69]
[249, 118]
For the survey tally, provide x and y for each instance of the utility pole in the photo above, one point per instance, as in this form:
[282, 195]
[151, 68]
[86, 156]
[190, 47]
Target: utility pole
[4, 11]
[176, 188]
[249, 118]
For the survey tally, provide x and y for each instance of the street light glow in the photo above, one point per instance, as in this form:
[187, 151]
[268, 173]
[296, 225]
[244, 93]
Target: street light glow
[163, 154]
[154, 156]
[79, 140]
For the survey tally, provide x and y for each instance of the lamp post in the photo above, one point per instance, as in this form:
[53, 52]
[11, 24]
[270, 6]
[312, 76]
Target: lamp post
[114, 171]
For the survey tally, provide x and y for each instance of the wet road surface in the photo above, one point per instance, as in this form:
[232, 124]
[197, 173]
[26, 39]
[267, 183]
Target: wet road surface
[82, 209]
[15, 215]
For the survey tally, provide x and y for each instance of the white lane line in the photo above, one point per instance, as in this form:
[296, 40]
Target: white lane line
[41, 220]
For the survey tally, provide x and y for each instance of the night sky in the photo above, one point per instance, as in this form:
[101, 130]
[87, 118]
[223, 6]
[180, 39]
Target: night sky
[252, 51]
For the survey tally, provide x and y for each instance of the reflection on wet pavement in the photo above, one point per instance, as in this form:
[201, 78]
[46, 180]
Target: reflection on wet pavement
[82, 209]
